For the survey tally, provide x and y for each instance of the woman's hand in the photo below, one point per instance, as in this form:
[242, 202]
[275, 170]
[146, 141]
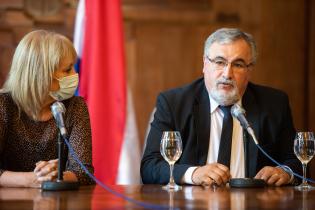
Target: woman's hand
[46, 170]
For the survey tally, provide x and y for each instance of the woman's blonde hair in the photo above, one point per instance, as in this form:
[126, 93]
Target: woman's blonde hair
[36, 58]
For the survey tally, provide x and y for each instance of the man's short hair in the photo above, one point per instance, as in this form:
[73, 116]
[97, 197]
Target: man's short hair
[227, 35]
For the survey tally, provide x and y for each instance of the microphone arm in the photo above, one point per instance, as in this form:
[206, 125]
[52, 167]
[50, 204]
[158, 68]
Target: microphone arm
[252, 134]
[60, 158]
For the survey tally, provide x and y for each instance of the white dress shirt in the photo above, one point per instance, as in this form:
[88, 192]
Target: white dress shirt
[237, 167]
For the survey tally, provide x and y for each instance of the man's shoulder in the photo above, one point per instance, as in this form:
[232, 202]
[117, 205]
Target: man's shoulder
[190, 90]
[266, 91]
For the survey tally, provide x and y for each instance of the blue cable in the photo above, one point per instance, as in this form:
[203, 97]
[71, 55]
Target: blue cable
[281, 166]
[104, 186]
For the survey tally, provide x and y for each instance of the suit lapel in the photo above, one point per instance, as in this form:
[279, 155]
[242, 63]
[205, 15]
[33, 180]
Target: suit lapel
[252, 115]
[202, 124]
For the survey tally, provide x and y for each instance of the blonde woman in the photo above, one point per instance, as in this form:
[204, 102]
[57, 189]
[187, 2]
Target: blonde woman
[41, 73]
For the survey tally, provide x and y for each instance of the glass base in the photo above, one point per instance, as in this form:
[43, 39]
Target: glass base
[170, 186]
[304, 186]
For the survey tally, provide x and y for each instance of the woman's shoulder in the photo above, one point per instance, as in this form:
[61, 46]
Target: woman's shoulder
[75, 104]
[7, 105]
[5, 99]
[76, 101]
[76, 110]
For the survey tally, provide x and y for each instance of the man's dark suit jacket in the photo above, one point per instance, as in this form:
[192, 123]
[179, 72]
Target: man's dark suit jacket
[187, 109]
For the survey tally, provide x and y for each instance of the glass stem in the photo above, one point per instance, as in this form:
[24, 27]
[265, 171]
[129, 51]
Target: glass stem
[304, 173]
[171, 174]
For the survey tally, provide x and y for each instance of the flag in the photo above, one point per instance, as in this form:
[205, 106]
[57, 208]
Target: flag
[98, 40]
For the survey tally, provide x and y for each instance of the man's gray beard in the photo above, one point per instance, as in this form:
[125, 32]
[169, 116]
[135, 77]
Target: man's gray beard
[225, 98]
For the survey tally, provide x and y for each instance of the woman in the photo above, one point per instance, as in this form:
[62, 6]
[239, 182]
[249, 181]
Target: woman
[41, 73]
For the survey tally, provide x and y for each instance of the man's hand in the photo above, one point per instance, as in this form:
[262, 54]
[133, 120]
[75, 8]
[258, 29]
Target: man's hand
[210, 174]
[273, 176]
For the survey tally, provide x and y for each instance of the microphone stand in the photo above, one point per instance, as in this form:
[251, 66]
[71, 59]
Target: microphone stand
[246, 182]
[60, 184]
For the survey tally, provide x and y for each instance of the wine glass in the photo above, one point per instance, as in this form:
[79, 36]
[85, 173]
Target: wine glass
[171, 150]
[304, 149]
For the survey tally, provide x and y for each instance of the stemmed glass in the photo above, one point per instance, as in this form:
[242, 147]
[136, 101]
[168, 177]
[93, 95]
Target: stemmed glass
[304, 149]
[171, 150]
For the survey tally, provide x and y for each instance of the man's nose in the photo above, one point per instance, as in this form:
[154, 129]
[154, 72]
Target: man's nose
[228, 71]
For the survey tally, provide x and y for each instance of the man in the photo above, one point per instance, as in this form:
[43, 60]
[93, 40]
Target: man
[213, 147]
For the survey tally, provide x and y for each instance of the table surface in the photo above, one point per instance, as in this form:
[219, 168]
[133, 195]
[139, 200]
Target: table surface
[190, 197]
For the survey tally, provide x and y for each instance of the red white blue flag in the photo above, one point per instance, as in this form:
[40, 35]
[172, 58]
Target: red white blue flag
[99, 42]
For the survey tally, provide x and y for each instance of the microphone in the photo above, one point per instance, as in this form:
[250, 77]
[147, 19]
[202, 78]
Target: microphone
[239, 113]
[58, 109]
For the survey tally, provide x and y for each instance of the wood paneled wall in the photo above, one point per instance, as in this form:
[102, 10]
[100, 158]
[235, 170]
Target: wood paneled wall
[18, 17]
[309, 111]
[310, 70]
[164, 43]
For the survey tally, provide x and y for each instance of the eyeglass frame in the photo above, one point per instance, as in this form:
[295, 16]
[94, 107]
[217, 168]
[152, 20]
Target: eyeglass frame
[226, 64]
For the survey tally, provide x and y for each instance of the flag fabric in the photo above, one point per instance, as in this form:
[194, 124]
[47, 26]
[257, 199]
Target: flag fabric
[99, 42]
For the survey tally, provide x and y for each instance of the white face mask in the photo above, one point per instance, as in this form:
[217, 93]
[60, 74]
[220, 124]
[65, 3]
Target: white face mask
[67, 85]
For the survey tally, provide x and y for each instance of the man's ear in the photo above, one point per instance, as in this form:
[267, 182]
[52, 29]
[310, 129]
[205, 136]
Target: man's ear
[204, 64]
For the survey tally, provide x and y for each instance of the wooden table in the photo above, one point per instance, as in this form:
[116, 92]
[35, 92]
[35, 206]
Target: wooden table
[190, 197]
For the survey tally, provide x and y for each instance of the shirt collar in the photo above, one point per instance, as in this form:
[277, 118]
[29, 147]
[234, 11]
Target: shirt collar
[214, 104]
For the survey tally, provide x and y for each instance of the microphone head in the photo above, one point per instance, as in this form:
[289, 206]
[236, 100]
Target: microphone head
[57, 108]
[237, 110]
[239, 113]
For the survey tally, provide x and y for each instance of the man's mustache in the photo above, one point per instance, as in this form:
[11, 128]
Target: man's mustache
[225, 82]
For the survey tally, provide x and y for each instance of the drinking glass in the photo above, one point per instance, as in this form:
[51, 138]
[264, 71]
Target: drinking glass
[171, 150]
[304, 149]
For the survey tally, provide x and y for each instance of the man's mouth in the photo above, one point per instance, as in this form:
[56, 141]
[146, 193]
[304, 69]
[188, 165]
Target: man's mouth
[225, 85]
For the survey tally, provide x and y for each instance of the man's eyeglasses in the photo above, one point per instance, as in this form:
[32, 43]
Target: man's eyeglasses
[221, 64]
